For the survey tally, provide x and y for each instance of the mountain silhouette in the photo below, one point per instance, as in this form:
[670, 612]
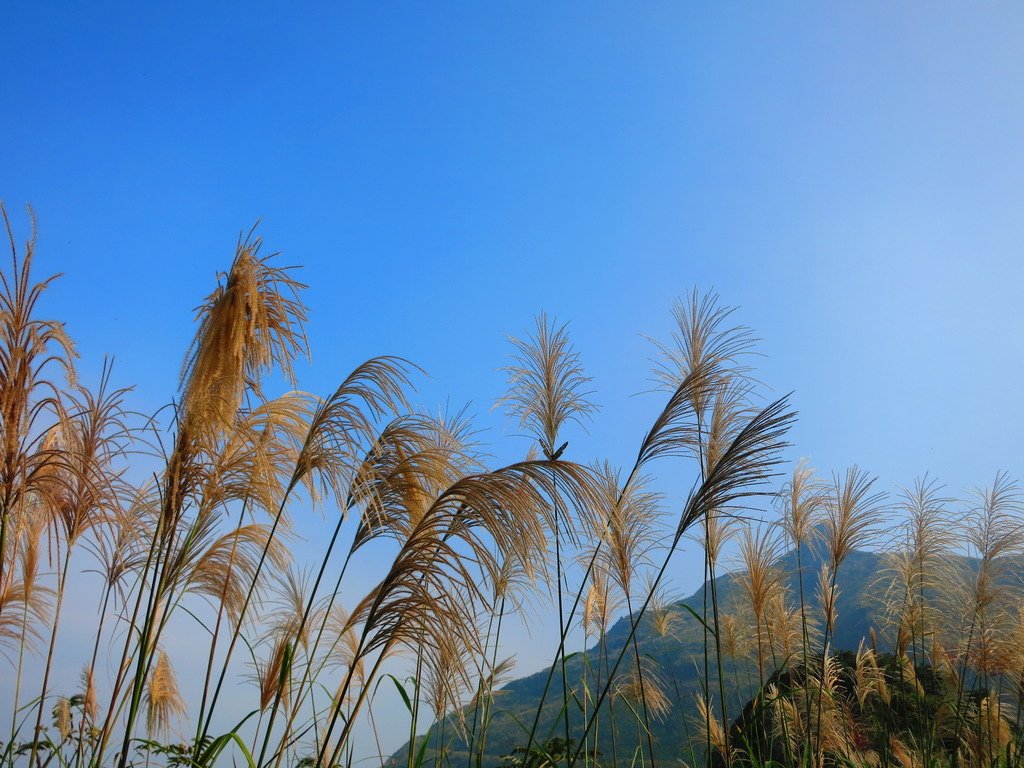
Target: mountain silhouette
[676, 660]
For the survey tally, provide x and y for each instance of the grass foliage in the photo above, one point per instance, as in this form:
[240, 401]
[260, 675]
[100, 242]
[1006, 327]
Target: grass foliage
[204, 539]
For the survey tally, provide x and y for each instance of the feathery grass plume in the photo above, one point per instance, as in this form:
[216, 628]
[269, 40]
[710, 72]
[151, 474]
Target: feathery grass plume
[734, 635]
[251, 323]
[593, 608]
[702, 364]
[630, 514]
[85, 488]
[800, 504]
[601, 602]
[942, 660]
[407, 466]
[163, 701]
[518, 590]
[32, 350]
[829, 719]
[545, 391]
[744, 467]
[908, 674]
[853, 512]
[645, 686]
[500, 508]
[918, 571]
[869, 678]
[990, 587]
[121, 544]
[718, 528]
[286, 633]
[783, 628]
[343, 426]
[987, 739]
[89, 703]
[711, 729]
[546, 384]
[413, 460]
[252, 461]
[704, 341]
[788, 725]
[62, 718]
[343, 651]
[630, 517]
[665, 619]
[759, 579]
[828, 596]
[222, 566]
[433, 590]
[493, 675]
[24, 601]
[1010, 652]
[338, 453]
[984, 656]
[902, 755]
[732, 406]
[446, 676]
[996, 537]
[286, 609]
[273, 674]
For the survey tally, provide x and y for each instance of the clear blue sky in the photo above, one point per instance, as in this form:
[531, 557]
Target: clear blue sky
[851, 175]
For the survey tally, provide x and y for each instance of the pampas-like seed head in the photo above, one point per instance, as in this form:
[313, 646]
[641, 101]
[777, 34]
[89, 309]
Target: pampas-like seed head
[828, 595]
[868, 677]
[629, 515]
[710, 727]
[163, 701]
[89, 703]
[645, 685]
[704, 340]
[274, 674]
[252, 322]
[800, 501]
[989, 736]
[853, 511]
[62, 717]
[547, 384]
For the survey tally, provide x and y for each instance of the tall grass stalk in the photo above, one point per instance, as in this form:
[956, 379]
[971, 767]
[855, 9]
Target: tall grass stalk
[204, 543]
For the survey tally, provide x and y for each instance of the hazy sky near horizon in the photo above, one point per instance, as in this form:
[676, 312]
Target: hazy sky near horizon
[851, 176]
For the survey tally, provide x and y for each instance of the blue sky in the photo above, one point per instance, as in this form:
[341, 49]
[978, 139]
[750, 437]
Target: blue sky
[850, 175]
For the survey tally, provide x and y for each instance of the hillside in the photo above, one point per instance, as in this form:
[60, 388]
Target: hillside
[679, 657]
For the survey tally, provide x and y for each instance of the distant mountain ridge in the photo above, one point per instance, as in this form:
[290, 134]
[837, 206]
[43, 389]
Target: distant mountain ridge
[680, 659]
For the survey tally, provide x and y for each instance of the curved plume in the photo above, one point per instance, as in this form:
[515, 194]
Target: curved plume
[250, 324]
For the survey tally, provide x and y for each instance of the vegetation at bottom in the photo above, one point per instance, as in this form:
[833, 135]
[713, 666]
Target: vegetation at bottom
[839, 624]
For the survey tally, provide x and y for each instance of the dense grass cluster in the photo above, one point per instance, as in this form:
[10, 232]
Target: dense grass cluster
[204, 539]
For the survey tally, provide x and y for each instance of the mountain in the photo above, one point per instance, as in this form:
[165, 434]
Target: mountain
[679, 661]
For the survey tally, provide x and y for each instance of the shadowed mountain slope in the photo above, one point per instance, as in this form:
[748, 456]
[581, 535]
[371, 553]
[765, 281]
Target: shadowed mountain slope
[676, 660]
